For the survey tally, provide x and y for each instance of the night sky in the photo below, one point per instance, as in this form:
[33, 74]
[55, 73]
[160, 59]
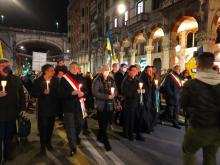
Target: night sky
[35, 14]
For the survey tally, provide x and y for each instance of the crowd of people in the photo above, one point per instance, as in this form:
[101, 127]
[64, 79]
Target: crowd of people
[127, 97]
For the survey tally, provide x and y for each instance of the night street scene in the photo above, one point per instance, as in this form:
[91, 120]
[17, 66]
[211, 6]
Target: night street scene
[109, 82]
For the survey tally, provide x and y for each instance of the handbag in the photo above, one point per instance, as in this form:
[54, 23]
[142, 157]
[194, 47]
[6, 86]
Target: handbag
[24, 127]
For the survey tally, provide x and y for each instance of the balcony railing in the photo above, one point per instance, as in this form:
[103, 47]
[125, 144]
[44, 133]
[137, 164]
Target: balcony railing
[143, 17]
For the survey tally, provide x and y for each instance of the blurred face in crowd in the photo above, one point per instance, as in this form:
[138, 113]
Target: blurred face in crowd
[61, 63]
[2, 67]
[138, 68]
[60, 74]
[74, 69]
[149, 72]
[177, 69]
[114, 68]
[154, 70]
[105, 73]
[186, 73]
[49, 72]
[133, 72]
[123, 68]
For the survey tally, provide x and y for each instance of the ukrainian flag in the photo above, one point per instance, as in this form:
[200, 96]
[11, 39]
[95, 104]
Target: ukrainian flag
[1, 50]
[110, 48]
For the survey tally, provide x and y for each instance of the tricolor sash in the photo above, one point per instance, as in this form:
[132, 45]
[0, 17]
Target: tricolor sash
[177, 80]
[75, 86]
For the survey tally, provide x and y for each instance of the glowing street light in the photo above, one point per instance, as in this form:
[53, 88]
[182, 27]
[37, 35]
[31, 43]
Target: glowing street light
[2, 16]
[121, 8]
[22, 47]
[57, 24]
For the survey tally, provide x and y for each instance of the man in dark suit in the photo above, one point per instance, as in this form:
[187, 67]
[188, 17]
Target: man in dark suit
[172, 88]
[73, 117]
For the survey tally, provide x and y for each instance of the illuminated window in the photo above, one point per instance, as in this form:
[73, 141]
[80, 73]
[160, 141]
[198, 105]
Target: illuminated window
[140, 7]
[115, 22]
[126, 17]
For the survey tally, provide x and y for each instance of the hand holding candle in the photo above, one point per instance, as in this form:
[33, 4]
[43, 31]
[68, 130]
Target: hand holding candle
[112, 90]
[156, 82]
[48, 82]
[141, 85]
[3, 83]
[80, 87]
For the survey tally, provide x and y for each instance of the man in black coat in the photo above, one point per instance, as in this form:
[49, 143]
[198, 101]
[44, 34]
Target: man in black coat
[72, 108]
[45, 88]
[119, 77]
[172, 88]
[132, 111]
[12, 103]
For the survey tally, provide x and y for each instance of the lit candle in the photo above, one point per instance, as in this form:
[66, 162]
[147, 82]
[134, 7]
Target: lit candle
[3, 83]
[112, 90]
[80, 86]
[141, 85]
[182, 82]
[156, 82]
[48, 82]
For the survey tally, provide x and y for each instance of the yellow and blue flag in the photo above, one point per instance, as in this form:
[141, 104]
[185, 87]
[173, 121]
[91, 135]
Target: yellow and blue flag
[1, 50]
[110, 48]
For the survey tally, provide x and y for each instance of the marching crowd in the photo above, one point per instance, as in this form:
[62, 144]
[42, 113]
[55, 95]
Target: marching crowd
[126, 96]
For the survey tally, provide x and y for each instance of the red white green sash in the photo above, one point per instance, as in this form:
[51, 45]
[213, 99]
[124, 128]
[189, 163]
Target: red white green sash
[177, 80]
[75, 86]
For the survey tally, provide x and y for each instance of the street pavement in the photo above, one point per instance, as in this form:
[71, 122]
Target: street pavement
[162, 147]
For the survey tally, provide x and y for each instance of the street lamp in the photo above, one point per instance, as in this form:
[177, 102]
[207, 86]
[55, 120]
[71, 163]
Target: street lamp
[57, 24]
[2, 16]
[121, 8]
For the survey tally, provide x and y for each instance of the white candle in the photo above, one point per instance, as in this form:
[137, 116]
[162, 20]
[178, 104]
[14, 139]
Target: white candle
[112, 90]
[80, 86]
[141, 85]
[48, 82]
[3, 83]
[183, 81]
[156, 82]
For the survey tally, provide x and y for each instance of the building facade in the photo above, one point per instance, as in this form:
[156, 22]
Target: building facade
[79, 32]
[154, 32]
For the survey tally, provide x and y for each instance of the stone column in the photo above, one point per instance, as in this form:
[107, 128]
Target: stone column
[149, 49]
[166, 52]
[133, 53]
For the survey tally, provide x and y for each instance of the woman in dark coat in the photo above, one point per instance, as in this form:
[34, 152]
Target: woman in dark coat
[150, 113]
[45, 88]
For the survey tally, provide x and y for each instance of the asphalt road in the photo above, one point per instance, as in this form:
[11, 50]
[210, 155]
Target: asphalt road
[162, 147]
